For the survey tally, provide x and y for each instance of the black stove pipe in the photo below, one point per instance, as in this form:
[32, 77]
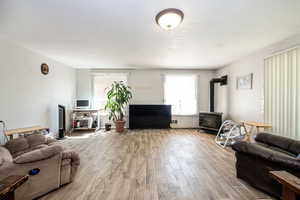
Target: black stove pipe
[222, 81]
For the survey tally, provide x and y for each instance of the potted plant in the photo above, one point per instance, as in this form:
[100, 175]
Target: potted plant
[118, 98]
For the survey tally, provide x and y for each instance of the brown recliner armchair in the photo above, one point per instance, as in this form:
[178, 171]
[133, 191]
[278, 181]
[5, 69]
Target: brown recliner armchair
[56, 165]
[270, 152]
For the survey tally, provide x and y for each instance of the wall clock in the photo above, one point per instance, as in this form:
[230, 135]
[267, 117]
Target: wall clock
[44, 68]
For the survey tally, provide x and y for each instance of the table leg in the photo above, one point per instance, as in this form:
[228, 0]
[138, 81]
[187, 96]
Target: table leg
[246, 133]
[8, 196]
[250, 134]
[288, 194]
[257, 130]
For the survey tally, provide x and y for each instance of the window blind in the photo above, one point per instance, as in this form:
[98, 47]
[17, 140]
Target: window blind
[282, 92]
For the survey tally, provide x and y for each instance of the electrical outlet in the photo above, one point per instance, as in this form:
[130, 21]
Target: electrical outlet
[174, 121]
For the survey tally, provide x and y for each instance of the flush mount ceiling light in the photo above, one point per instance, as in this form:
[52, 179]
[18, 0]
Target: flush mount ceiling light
[169, 18]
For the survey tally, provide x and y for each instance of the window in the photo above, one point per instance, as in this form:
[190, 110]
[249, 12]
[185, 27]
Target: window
[180, 92]
[101, 85]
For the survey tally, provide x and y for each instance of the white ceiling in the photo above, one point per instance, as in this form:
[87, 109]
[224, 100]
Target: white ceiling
[123, 33]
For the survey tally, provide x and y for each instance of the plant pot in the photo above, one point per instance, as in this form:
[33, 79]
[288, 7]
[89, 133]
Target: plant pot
[107, 126]
[120, 126]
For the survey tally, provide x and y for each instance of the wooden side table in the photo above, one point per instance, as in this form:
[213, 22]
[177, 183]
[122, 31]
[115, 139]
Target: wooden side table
[290, 184]
[253, 125]
[9, 185]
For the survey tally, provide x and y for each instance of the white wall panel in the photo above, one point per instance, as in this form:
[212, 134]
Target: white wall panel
[148, 88]
[249, 104]
[29, 98]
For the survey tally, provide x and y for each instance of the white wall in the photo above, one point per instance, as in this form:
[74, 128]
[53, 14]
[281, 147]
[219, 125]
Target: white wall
[147, 86]
[83, 84]
[27, 97]
[247, 104]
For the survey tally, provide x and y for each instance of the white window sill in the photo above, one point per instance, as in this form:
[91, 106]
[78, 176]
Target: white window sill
[106, 115]
[194, 115]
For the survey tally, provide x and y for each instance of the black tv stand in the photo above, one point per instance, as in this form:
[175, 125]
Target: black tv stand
[149, 116]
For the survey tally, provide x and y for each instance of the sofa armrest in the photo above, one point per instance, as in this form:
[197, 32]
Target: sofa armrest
[72, 155]
[267, 154]
[250, 148]
[39, 154]
[75, 162]
[50, 140]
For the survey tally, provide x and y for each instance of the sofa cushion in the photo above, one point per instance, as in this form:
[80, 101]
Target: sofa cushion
[274, 140]
[257, 150]
[50, 140]
[16, 145]
[36, 139]
[282, 151]
[286, 144]
[295, 147]
[29, 149]
[38, 147]
[20, 153]
[38, 154]
[5, 156]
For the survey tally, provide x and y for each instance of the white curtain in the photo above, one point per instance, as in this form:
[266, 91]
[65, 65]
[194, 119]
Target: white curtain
[282, 92]
[180, 91]
[102, 83]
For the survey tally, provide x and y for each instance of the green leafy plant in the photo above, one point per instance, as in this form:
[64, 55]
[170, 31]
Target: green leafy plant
[118, 98]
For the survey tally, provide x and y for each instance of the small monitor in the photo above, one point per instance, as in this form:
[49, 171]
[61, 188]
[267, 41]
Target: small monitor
[82, 104]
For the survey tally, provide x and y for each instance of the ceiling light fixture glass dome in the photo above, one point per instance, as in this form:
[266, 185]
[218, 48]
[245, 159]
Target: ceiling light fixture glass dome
[169, 18]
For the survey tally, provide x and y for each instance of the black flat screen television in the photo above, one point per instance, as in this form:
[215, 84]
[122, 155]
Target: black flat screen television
[149, 116]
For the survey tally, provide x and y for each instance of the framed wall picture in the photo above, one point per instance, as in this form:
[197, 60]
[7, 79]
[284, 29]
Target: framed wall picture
[44, 68]
[244, 82]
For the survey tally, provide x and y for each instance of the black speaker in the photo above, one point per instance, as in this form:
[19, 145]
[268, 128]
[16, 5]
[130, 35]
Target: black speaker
[61, 133]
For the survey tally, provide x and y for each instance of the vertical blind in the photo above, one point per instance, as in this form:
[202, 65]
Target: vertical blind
[282, 92]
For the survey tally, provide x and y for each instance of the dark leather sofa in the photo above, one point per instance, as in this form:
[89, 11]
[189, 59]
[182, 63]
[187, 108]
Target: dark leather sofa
[255, 160]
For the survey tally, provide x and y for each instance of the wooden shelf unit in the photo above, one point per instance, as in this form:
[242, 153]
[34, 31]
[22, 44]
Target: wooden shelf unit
[84, 116]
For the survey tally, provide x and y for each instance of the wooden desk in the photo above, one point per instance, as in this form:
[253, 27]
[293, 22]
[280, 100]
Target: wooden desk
[9, 185]
[253, 125]
[290, 184]
[26, 130]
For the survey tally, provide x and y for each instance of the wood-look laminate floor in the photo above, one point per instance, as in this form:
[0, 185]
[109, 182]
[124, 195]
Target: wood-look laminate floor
[171, 164]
